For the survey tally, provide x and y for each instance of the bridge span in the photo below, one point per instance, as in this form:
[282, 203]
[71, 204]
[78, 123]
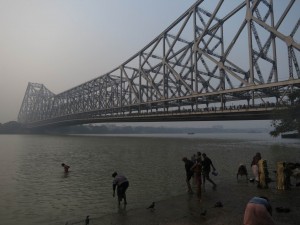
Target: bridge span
[222, 61]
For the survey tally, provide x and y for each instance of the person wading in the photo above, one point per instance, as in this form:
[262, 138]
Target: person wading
[66, 167]
[121, 183]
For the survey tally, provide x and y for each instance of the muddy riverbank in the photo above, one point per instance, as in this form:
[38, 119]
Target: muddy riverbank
[187, 210]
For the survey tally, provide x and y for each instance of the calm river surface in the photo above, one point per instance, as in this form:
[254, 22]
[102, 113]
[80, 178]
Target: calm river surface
[35, 191]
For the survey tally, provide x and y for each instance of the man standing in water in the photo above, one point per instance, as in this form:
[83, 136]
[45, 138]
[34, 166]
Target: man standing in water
[206, 164]
[121, 183]
[189, 172]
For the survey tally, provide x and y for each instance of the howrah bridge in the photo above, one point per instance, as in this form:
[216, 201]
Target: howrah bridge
[220, 60]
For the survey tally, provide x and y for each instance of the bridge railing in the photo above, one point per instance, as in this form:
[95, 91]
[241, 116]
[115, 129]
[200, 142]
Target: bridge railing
[239, 112]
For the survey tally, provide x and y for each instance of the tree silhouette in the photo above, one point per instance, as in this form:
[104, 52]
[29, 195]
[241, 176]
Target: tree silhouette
[287, 119]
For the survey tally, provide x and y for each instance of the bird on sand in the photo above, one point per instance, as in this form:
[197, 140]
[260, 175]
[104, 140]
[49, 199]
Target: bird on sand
[151, 206]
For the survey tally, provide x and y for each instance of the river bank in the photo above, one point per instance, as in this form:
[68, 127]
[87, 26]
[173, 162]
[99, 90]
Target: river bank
[187, 210]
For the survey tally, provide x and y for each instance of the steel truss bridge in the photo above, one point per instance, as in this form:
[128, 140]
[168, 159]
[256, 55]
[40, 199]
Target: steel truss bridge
[235, 60]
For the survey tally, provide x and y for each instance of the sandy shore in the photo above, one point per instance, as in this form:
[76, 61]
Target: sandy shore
[187, 210]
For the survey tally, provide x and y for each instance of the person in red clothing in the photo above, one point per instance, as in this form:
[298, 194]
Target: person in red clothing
[66, 167]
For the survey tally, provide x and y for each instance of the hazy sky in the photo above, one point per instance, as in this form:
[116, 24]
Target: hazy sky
[63, 43]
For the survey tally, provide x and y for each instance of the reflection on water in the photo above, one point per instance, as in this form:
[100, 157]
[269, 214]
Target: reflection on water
[35, 190]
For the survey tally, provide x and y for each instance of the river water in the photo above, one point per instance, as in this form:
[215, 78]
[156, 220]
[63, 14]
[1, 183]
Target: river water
[34, 190]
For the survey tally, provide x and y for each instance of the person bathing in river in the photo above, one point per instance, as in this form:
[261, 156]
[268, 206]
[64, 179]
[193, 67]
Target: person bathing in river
[66, 167]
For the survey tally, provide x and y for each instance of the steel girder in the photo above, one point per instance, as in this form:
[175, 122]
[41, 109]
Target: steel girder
[210, 56]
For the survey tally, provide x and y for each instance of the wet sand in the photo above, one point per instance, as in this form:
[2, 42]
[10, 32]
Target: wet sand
[186, 209]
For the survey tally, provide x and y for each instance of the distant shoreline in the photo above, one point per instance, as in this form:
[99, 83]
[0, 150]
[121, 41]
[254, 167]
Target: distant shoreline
[14, 127]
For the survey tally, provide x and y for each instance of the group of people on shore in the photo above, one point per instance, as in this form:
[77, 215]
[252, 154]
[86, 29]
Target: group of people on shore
[258, 210]
[198, 167]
